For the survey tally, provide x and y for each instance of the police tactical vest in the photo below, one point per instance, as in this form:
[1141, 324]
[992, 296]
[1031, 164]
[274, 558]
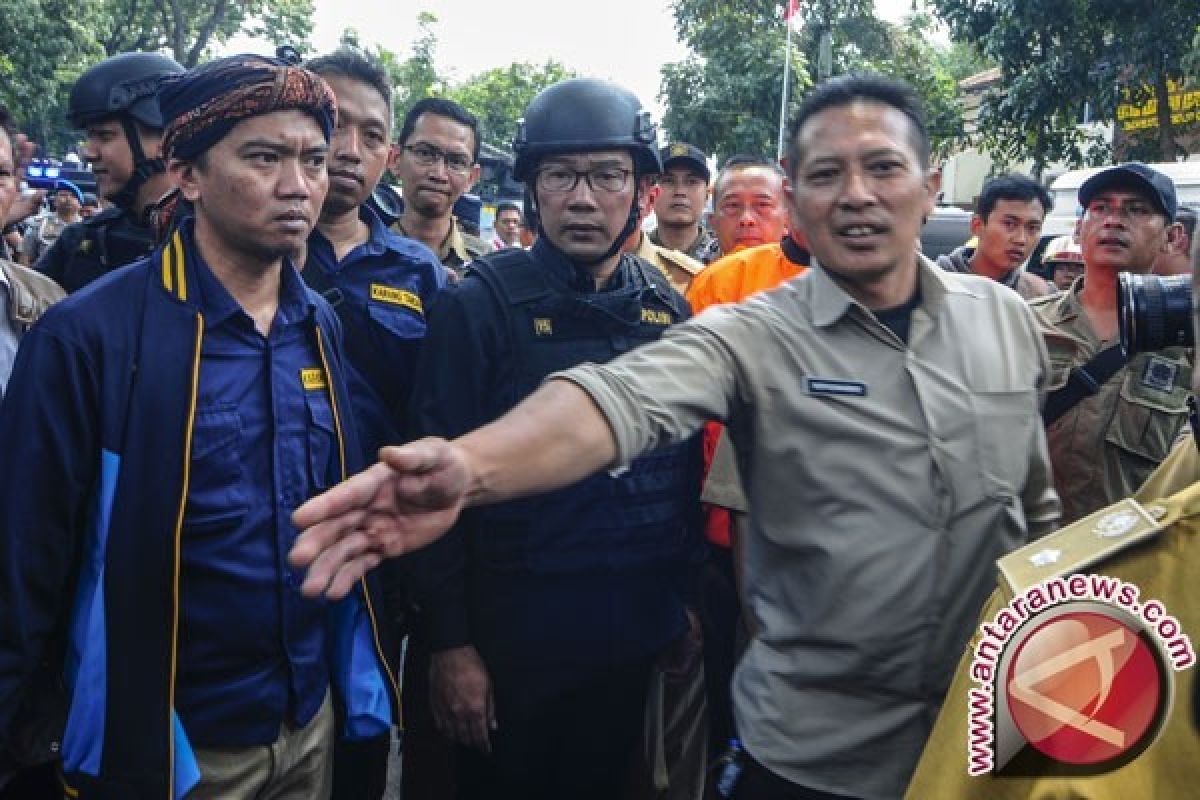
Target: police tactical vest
[638, 518]
[99, 245]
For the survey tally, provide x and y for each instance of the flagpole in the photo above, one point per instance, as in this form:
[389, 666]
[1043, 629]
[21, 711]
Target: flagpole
[787, 73]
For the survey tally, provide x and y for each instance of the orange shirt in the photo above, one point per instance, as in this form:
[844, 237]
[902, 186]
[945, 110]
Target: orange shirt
[732, 279]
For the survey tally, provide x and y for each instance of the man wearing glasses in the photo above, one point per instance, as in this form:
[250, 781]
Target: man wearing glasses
[436, 161]
[1110, 422]
[546, 615]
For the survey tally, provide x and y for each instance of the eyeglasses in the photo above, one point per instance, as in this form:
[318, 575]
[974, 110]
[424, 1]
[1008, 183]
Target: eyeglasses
[564, 179]
[428, 155]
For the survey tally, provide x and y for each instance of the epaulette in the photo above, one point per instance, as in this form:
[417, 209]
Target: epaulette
[1083, 544]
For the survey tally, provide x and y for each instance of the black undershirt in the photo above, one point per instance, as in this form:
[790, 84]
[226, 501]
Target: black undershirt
[898, 318]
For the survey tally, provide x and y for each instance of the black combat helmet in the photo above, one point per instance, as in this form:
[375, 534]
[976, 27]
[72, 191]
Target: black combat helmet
[124, 87]
[581, 115]
[126, 84]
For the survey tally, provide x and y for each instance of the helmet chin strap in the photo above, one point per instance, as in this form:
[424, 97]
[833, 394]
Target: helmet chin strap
[143, 169]
[631, 223]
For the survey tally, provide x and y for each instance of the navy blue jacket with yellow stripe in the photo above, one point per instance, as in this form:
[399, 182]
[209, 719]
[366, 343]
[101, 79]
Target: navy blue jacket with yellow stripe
[95, 438]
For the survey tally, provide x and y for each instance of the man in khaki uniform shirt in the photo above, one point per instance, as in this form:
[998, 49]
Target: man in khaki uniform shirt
[1109, 442]
[678, 268]
[1163, 561]
[436, 160]
[890, 453]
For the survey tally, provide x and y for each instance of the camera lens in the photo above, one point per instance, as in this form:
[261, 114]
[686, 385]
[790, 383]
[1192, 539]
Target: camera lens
[1154, 312]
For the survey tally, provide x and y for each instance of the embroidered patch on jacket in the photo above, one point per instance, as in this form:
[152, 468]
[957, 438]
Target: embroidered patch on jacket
[1159, 374]
[831, 386]
[396, 297]
[313, 378]
[543, 326]
[652, 317]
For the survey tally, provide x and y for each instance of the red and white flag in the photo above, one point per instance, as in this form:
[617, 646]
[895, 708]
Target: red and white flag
[793, 7]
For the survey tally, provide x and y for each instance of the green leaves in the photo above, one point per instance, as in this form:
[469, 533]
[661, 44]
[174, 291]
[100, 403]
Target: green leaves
[1058, 55]
[499, 96]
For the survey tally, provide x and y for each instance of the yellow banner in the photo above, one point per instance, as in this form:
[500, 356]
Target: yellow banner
[1185, 109]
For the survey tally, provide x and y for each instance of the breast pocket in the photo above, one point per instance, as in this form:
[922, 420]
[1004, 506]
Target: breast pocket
[324, 462]
[1152, 406]
[389, 323]
[1006, 423]
[217, 497]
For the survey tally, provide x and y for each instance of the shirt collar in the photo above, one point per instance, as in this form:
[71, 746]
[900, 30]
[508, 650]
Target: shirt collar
[453, 243]
[216, 303]
[830, 302]
[379, 241]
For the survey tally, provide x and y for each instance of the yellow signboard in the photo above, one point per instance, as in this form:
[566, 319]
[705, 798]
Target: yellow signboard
[1185, 110]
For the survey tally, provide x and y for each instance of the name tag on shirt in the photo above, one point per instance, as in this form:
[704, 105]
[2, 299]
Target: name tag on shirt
[396, 297]
[832, 387]
[313, 378]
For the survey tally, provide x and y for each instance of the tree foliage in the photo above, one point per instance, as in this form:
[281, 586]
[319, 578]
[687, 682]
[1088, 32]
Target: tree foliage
[498, 97]
[191, 29]
[1057, 55]
[46, 44]
[725, 98]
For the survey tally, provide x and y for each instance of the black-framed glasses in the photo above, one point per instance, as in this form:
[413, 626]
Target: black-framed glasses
[427, 155]
[558, 178]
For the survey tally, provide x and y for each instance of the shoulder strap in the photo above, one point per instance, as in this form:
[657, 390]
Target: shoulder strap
[512, 274]
[1085, 543]
[1084, 382]
[513, 278]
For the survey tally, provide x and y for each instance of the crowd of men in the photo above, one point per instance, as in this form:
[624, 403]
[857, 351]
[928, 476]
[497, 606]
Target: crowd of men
[730, 491]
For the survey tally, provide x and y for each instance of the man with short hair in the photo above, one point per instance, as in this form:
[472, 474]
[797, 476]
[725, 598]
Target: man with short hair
[380, 285]
[748, 204]
[1111, 420]
[678, 268]
[437, 160]
[1007, 226]
[863, 404]
[162, 425]
[1178, 258]
[116, 103]
[507, 225]
[679, 208]
[44, 229]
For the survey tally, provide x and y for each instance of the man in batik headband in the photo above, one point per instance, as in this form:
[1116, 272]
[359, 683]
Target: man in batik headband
[167, 422]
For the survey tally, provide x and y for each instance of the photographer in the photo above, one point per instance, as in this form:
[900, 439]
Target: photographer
[1110, 421]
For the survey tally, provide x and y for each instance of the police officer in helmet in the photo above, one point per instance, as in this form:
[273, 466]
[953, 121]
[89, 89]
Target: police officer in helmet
[116, 103]
[545, 616]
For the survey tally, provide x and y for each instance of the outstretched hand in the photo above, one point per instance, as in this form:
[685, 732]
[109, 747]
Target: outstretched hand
[404, 502]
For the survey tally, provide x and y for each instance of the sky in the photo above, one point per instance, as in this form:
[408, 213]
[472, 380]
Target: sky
[626, 41]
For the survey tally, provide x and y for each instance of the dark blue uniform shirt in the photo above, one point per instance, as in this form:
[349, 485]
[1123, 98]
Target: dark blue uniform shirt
[380, 290]
[252, 649]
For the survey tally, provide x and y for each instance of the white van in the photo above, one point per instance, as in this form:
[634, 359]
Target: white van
[1065, 193]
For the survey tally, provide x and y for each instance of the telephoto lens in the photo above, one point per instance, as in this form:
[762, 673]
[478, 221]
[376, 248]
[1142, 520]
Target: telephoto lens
[1154, 312]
